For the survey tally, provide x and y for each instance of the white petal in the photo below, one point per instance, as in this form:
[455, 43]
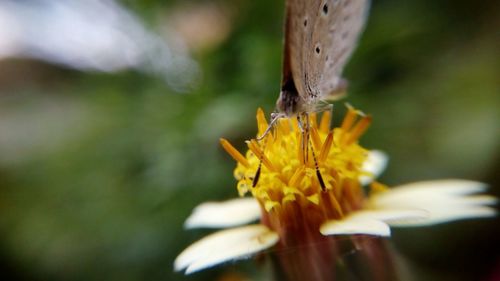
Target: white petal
[477, 200]
[354, 225]
[429, 190]
[224, 214]
[426, 192]
[391, 216]
[225, 245]
[443, 200]
[442, 216]
[375, 164]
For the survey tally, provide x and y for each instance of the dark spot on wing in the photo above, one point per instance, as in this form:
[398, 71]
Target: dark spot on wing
[318, 50]
[325, 9]
[289, 98]
[305, 22]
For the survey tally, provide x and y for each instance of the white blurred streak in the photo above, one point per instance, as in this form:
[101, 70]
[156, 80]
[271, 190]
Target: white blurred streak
[90, 35]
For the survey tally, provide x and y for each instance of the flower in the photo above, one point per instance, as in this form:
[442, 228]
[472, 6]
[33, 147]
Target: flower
[306, 186]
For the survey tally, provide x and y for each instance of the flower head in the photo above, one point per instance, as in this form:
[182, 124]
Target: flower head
[296, 172]
[307, 182]
[317, 169]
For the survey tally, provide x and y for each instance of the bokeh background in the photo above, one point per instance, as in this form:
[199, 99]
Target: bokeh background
[109, 128]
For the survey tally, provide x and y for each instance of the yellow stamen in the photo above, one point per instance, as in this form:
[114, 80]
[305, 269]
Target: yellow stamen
[376, 187]
[269, 205]
[295, 124]
[359, 129]
[261, 121]
[314, 199]
[313, 119]
[297, 176]
[283, 126]
[327, 145]
[234, 153]
[349, 119]
[315, 138]
[254, 147]
[337, 206]
[300, 149]
[324, 125]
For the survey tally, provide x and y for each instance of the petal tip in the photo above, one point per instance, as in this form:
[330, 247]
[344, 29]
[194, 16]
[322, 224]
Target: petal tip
[223, 214]
[375, 164]
[352, 225]
[225, 245]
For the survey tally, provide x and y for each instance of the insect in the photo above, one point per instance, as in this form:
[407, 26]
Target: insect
[320, 36]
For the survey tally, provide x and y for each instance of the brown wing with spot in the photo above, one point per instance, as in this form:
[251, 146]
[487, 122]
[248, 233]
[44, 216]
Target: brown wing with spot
[299, 23]
[343, 27]
[320, 36]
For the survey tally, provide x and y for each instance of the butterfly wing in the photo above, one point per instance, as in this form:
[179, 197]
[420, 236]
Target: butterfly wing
[340, 37]
[299, 23]
[320, 36]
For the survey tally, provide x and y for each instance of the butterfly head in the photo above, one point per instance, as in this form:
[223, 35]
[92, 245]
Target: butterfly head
[288, 105]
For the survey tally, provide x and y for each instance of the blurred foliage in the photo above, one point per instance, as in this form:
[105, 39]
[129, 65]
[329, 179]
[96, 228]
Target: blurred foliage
[98, 171]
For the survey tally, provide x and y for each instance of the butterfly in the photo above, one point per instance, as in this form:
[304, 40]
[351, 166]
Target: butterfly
[320, 36]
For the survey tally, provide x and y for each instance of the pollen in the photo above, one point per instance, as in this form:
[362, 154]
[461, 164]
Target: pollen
[302, 167]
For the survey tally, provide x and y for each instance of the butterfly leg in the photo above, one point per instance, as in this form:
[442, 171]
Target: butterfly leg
[316, 166]
[274, 119]
[306, 142]
[303, 122]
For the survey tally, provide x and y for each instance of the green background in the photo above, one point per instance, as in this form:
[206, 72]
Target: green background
[99, 171]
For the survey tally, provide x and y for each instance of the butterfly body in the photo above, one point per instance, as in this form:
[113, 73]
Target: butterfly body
[319, 39]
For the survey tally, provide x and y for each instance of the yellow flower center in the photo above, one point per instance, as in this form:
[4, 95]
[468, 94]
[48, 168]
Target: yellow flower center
[304, 170]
